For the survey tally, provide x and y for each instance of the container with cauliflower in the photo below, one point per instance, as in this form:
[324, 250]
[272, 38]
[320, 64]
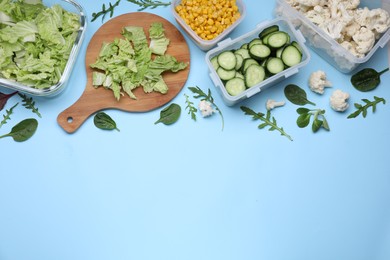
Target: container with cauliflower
[346, 33]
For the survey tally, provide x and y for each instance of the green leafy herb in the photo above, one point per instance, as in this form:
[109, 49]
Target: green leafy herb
[191, 108]
[105, 11]
[23, 130]
[367, 79]
[319, 120]
[7, 115]
[200, 94]
[4, 98]
[29, 103]
[362, 109]
[170, 114]
[143, 4]
[267, 121]
[104, 121]
[296, 95]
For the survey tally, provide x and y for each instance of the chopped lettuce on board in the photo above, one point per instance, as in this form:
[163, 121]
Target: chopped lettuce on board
[35, 41]
[128, 63]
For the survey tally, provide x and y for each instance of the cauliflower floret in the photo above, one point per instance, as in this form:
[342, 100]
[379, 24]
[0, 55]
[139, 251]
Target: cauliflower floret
[206, 108]
[318, 15]
[318, 82]
[351, 47]
[311, 3]
[365, 40]
[376, 20]
[271, 104]
[339, 100]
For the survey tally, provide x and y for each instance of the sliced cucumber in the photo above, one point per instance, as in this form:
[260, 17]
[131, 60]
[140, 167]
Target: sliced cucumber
[225, 74]
[259, 51]
[214, 62]
[278, 52]
[268, 30]
[235, 86]
[239, 75]
[291, 56]
[278, 39]
[296, 45]
[274, 65]
[247, 63]
[239, 61]
[254, 74]
[243, 52]
[227, 60]
[244, 46]
[254, 41]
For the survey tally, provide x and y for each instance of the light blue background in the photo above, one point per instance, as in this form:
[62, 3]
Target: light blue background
[191, 191]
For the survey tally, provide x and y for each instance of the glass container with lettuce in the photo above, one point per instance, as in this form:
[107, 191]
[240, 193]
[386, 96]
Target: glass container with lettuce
[38, 44]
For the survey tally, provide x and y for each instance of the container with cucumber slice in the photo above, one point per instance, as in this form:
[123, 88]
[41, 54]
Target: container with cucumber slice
[257, 59]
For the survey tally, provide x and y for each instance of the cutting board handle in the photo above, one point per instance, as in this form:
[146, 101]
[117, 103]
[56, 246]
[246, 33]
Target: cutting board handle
[74, 116]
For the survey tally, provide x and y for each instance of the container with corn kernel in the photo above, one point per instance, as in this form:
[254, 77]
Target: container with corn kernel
[208, 21]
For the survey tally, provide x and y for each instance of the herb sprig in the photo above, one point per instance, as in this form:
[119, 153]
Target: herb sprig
[319, 120]
[363, 109]
[267, 121]
[143, 4]
[7, 115]
[208, 97]
[29, 103]
[105, 11]
[191, 108]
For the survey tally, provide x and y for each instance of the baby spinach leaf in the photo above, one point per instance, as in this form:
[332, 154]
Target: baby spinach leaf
[23, 130]
[104, 121]
[170, 114]
[296, 95]
[367, 79]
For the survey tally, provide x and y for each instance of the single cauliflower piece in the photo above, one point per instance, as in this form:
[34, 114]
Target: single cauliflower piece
[206, 108]
[318, 82]
[365, 40]
[339, 100]
[271, 104]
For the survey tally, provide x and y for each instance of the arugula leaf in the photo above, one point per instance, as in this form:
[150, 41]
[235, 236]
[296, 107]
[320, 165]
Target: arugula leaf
[29, 103]
[7, 116]
[208, 97]
[267, 121]
[191, 108]
[363, 109]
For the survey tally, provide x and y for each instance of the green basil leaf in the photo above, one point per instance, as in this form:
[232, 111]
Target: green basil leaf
[303, 120]
[170, 114]
[317, 123]
[303, 110]
[23, 130]
[104, 121]
[367, 79]
[296, 95]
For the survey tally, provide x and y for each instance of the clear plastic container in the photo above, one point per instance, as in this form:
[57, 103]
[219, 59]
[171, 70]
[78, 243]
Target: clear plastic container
[207, 44]
[326, 47]
[70, 6]
[230, 44]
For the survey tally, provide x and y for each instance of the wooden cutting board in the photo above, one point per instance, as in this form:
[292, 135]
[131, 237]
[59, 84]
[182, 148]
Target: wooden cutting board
[95, 99]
